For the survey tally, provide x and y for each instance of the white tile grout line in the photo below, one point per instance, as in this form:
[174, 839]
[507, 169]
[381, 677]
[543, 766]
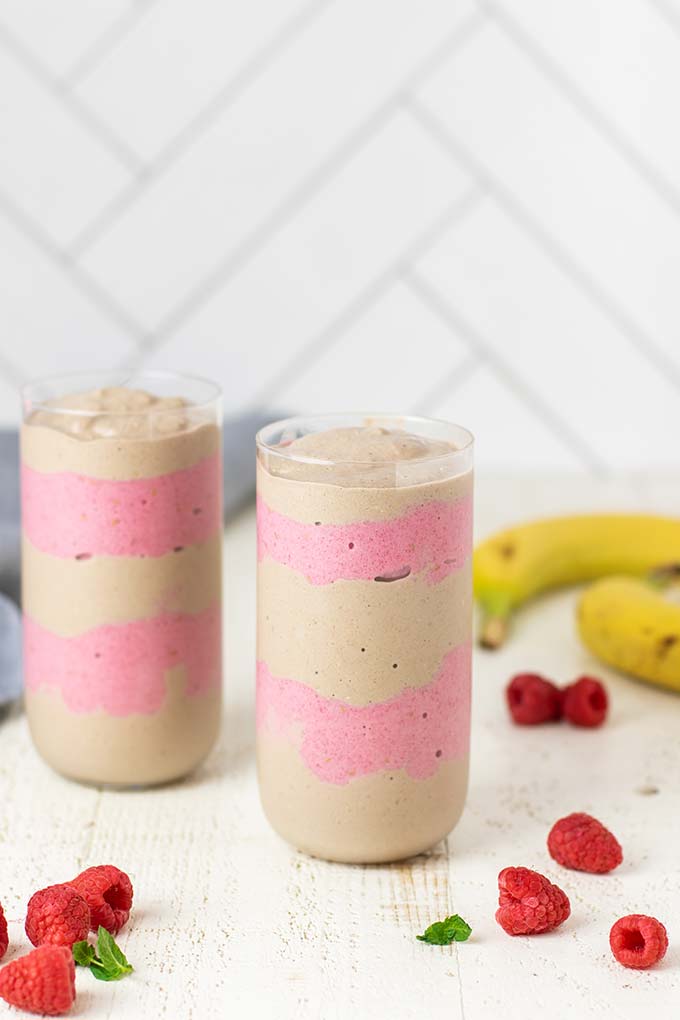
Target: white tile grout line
[616, 138]
[87, 286]
[670, 15]
[298, 22]
[31, 229]
[252, 243]
[307, 189]
[560, 256]
[237, 260]
[88, 120]
[560, 428]
[357, 308]
[453, 379]
[246, 75]
[100, 48]
[260, 62]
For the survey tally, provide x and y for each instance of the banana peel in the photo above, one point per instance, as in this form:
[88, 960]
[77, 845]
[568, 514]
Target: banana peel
[517, 564]
[632, 625]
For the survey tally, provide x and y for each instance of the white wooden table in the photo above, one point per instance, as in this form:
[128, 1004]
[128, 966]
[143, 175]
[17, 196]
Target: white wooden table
[230, 922]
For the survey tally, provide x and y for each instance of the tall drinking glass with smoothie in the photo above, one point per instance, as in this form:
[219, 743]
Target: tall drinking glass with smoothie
[364, 632]
[121, 574]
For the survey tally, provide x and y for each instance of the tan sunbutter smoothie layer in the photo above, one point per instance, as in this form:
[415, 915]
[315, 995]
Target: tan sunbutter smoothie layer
[124, 434]
[315, 634]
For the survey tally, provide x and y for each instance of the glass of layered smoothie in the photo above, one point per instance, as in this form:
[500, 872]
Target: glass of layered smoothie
[121, 484]
[364, 632]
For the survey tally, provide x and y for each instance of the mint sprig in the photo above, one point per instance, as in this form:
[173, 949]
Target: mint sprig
[443, 933]
[107, 962]
[84, 953]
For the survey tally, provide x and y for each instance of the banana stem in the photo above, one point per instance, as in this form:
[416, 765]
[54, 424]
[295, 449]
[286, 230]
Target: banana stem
[494, 631]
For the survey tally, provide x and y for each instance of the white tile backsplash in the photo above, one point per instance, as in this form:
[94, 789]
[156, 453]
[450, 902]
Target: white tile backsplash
[538, 324]
[48, 323]
[507, 434]
[263, 153]
[623, 65]
[623, 62]
[389, 358]
[581, 191]
[60, 34]
[51, 167]
[347, 235]
[466, 207]
[194, 55]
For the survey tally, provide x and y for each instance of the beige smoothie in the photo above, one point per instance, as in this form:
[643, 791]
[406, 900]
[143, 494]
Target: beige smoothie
[121, 576]
[364, 624]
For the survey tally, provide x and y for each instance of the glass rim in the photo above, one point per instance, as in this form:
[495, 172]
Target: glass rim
[122, 378]
[369, 418]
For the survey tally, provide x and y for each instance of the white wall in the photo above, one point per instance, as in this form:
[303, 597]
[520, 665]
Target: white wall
[470, 209]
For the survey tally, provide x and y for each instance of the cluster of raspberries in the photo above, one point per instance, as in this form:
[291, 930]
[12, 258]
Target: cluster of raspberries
[532, 700]
[43, 981]
[530, 904]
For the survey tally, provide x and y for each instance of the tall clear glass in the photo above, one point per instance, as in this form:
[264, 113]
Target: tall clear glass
[364, 632]
[121, 480]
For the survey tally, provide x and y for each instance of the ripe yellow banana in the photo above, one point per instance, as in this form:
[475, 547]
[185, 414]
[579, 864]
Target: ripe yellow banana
[631, 625]
[515, 565]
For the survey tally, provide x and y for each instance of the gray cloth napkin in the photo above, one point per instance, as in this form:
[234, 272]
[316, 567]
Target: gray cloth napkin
[239, 487]
[10, 651]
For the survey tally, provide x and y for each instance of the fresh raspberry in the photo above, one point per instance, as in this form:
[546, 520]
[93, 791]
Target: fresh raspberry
[42, 982]
[585, 702]
[533, 699]
[4, 937]
[57, 915]
[580, 842]
[638, 941]
[529, 903]
[108, 892]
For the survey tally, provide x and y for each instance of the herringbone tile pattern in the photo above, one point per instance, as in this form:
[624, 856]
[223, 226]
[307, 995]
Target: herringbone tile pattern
[468, 208]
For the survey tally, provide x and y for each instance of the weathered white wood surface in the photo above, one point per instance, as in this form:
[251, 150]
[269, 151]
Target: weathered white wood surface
[230, 922]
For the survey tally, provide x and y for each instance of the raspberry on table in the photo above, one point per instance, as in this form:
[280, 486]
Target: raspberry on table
[108, 893]
[585, 702]
[4, 937]
[580, 842]
[57, 915]
[532, 699]
[529, 904]
[41, 982]
[638, 941]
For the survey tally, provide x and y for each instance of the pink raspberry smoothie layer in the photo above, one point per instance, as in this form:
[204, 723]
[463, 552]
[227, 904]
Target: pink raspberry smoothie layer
[121, 668]
[415, 731]
[67, 514]
[436, 537]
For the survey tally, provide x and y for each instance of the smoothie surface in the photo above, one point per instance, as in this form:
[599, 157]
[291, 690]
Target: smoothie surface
[367, 445]
[114, 412]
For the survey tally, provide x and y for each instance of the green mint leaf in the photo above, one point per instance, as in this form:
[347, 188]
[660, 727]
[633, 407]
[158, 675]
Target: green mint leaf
[443, 933]
[83, 953]
[112, 961]
[102, 974]
[105, 944]
[119, 956]
[110, 964]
